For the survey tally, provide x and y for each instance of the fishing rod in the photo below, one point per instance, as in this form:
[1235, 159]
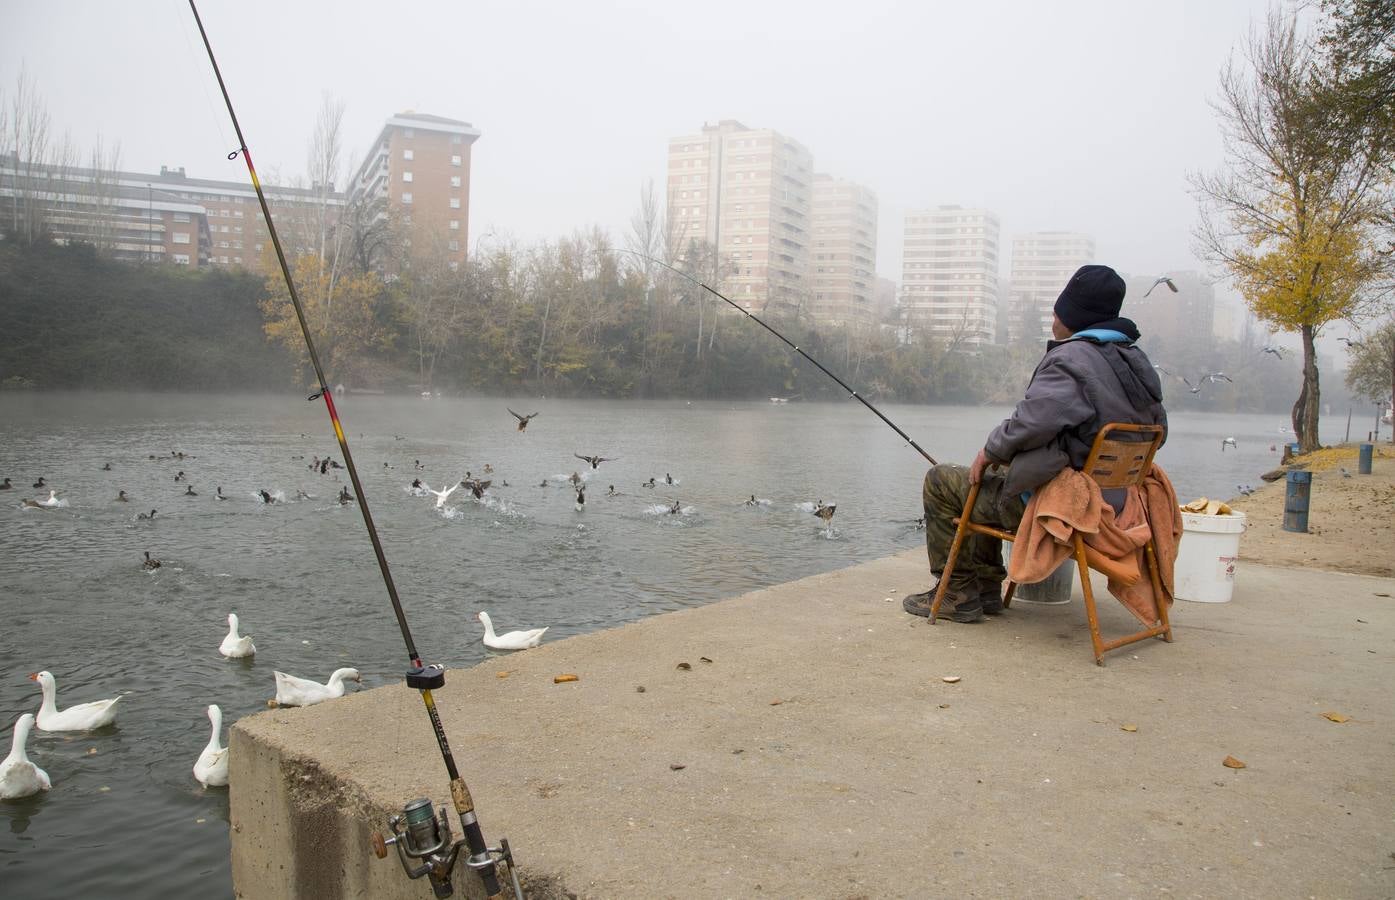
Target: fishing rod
[418, 833]
[761, 322]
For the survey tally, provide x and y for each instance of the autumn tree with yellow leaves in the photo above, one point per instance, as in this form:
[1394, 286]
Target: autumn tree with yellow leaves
[350, 316]
[1292, 216]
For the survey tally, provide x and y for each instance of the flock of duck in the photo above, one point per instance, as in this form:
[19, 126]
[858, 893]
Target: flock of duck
[22, 777]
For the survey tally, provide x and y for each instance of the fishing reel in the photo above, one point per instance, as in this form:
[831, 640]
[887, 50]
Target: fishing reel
[419, 834]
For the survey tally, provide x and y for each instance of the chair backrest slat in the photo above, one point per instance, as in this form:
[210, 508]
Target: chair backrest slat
[1117, 461]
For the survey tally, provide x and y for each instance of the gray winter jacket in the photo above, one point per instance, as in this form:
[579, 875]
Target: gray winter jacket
[1079, 386]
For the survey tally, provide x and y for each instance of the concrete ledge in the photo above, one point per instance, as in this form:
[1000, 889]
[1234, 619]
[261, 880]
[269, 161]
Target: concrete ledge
[824, 756]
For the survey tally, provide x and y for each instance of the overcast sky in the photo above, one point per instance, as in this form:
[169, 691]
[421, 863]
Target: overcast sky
[1080, 116]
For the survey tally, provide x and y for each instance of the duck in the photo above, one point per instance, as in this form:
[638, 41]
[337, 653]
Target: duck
[150, 564]
[1228, 442]
[476, 487]
[218, 495]
[180, 476]
[523, 420]
[266, 497]
[122, 498]
[293, 691]
[676, 509]
[106, 468]
[513, 640]
[236, 646]
[189, 491]
[575, 478]
[7, 486]
[581, 498]
[442, 495]
[83, 717]
[52, 500]
[345, 498]
[19, 777]
[211, 770]
[650, 483]
[40, 483]
[825, 512]
[488, 469]
[146, 516]
[26, 503]
[596, 461]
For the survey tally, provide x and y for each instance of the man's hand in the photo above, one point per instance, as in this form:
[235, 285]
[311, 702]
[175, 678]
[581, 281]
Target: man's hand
[977, 467]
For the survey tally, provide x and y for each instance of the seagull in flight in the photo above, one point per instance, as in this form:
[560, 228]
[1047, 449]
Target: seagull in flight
[442, 495]
[522, 420]
[1228, 441]
[596, 461]
[1209, 378]
[1277, 351]
[1163, 280]
[1349, 342]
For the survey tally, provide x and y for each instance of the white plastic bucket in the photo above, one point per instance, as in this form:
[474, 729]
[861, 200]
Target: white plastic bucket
[1205, 569]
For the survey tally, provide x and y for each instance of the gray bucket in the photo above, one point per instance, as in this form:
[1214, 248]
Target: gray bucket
[1054, 591]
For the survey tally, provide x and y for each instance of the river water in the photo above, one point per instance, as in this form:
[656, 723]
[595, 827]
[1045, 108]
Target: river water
[125, 817]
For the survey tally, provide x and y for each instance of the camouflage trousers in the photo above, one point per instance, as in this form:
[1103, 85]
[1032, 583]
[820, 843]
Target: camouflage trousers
[980, 562]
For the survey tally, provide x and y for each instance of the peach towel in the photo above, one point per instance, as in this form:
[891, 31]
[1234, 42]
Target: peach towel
[1072, 502]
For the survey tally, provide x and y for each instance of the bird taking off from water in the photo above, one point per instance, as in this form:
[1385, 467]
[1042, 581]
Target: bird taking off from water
[825, 512]
[596, 461]
[1230, 441]
[443, 494]
[522, 420]
[1163, 280]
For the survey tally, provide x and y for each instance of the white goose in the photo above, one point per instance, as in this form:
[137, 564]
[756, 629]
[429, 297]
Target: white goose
[212, 768]
[236, 646]
[18, 776]
[83, 717]
[293, 691]
[513, 640]
[443, 495]
[52, 500]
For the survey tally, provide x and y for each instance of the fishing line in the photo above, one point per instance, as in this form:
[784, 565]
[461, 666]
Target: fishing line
[422, 831]
[852, 394]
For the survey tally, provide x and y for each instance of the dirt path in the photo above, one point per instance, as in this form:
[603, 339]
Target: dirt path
[1351, 520]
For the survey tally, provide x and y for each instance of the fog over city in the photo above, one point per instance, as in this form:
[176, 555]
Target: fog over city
[1077, 116]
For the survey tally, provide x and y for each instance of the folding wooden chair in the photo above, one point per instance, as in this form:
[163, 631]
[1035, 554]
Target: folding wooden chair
[1112, 463]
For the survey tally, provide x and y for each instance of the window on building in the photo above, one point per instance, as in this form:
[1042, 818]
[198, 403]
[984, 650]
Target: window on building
[455, 203]
[453, 245]
[455, 181]
[407, 154]
[454, 224]
[406, 198]
[181, 217]
[456, 139]
[455, 160]
[181, 259]
[409, 132]
[238, 260]
[181, 237]
[407, 176]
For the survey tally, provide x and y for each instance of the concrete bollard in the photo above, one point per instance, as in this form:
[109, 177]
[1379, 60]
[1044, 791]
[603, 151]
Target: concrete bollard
[1363, 459]
[1296, 497]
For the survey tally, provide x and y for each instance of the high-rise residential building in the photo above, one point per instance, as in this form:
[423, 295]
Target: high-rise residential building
[1170, 319]
[417, 174]
[844, 253]
[1042, 263]
[747, 193]
[949, 275]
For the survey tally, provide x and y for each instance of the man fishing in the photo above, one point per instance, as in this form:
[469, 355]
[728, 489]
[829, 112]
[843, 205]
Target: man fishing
[1092, 374]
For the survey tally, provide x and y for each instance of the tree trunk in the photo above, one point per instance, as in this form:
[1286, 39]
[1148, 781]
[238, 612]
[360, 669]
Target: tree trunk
[1305, 411]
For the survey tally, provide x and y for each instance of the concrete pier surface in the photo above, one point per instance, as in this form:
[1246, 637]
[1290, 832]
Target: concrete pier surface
[812, 748]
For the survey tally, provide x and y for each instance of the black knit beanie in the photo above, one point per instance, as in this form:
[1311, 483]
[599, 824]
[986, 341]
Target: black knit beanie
[1093, 295]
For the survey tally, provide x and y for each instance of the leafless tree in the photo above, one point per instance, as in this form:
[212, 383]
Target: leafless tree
[26, 136]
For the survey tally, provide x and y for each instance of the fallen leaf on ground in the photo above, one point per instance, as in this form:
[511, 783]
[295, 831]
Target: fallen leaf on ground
[639, 689]
[560, 679]
[685, 666]
[1336, 717]
[677, 766]
[1128, 727]
[704, 659]
[950, 679]
[776, 702]
[1231, 762]
[501, 674]
[944, 706]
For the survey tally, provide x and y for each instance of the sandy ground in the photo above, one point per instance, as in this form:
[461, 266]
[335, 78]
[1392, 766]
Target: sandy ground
[1351, 520]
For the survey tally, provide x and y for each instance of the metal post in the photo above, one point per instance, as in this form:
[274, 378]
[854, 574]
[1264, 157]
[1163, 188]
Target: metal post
[1363, 460]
